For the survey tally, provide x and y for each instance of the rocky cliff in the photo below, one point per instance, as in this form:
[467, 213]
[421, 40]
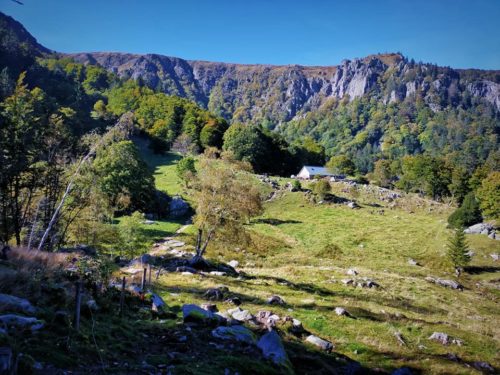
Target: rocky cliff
[282, 93]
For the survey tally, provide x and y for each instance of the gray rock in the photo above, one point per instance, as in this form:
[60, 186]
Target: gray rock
[495, 257]
[352, 205]
[214, 294]
[142, 260]
[16, 304]
[481, 228]
[347, 281]
[6, 361]
[234, 263]
[352, 272]
[194, 313]
[240, 315]
[178, 207]
[340, 311]
[412, 262]
[21, 322]
[272, 348]
[157, 303]
[440, 337]
[275, 300]
[446, 283]
[210, 307]
[267, 318]
[235, 333]
[492, 235]
[483, 366]
[320, 343]
[217, 273]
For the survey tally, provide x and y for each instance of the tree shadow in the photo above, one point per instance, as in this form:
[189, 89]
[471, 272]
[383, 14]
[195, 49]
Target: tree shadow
[475, 270]
[272, 221]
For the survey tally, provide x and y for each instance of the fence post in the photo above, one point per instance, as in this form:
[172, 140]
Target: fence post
[122, 296]
[143, 284]
[78, 300]
[149, 278]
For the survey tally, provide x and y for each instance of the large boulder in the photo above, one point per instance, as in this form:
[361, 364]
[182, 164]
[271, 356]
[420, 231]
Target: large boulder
[272, 348]
[12, 321]
[481, 228]
[235, 333]
[178, 207]
[16, 304]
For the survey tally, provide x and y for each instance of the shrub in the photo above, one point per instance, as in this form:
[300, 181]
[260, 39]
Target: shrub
[296, 185]
[467, 214]
[489, 195]
[321, 188]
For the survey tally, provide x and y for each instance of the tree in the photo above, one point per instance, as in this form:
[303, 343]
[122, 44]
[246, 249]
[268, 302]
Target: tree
[226, 198]
[382, 173]
[341, 164]
[467, 214]
[489, 195]
[321, 188]
[458, 251]
[124, 177]
[185, 169]
[132, 235]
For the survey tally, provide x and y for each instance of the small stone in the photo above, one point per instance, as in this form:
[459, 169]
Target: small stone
[352, 272]
[412, 262]
[234, 263]
[217, 273]
[234, 300]
[483, 366]
[323, 344]
[214, 294]
[440, 337]
[275, 300]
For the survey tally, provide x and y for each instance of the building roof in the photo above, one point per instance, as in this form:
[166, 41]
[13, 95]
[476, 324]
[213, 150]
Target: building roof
[322, 171]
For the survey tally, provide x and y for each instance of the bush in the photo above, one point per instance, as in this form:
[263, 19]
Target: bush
[296, 185]
[467, 214]
[489, 195]
[321, 188]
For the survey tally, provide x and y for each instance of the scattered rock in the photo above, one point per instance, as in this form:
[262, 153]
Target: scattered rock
[347, 281]
[267, 318]
[440, 337]
[495, 257]
[143, 259]
[217, 273]
[194, 313]
[352, 205]
[483, 366]
[275, 300]
[210, 307]
[272, 348]
[400, 338]
[234, 300]
[214, 294]
[340, 311]
[240, 315]
[446, 283]
[23, 322]
[352, 272]
[492, 235]
[323, 344]
[412, 262]
[16, 304]
[234, 263]
[157, 303]
[235, 333]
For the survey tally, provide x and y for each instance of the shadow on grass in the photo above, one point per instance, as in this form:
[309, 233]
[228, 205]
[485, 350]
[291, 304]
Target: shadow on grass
[272, 221]
[200, 292]
[481, 269]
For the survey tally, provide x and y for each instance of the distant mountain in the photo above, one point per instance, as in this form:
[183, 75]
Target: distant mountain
[275, 94]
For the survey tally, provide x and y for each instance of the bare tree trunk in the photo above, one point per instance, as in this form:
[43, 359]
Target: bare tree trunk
[33, 225]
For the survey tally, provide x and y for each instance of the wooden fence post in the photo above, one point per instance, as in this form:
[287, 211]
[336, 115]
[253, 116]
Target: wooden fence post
[78, 301]
[122, 296]
[143, 284]
[149, 278]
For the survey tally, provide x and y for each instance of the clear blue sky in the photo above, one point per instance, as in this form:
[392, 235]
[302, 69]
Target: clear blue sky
[458, 33]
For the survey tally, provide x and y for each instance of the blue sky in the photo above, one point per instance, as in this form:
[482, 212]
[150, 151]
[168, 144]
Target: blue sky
[457, 33]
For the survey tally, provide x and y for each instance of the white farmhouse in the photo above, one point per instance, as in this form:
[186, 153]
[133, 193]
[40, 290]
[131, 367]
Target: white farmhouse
[308, 172]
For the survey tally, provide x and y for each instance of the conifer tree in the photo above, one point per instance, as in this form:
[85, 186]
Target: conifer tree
[458, 251]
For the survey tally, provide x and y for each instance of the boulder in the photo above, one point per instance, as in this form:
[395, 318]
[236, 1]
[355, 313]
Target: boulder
[194, 313]
[320, 343]
[440, 337]
[157, 303]
[178, 207]
[234, 263]
[275, 300]
[16, 304]
[352, 272]
[235, 333]
[210, 307]
[21, 322]
[484, 367]
[352, 205]
[267, 318]
[481, 228]
[272, 348]
[6, 361]
[234, 300]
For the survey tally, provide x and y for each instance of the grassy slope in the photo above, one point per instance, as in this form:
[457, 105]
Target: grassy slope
[307, 273]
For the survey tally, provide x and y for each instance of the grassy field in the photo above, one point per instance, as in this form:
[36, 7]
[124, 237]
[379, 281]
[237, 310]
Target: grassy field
[311, 247]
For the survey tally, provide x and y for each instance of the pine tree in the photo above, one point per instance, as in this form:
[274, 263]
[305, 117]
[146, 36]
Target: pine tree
[458, 251]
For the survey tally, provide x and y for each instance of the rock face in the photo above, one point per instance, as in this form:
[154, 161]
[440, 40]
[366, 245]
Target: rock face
[282, 93]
